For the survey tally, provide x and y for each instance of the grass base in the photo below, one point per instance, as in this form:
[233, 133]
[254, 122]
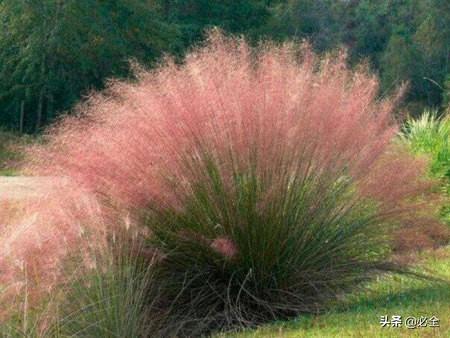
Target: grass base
[390, 295]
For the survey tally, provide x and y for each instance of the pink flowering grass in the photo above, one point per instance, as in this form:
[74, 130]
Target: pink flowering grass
[38, 235]
[266, 177]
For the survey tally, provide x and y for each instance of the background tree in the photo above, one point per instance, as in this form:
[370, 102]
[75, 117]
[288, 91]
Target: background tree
[432, 38]
[403, 40]
[53, 52]
[194, 16]
[315, 20]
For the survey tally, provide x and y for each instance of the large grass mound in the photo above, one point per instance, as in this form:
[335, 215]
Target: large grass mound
[263, 182]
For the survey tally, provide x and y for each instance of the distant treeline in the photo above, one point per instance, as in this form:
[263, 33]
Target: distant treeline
[53, 52]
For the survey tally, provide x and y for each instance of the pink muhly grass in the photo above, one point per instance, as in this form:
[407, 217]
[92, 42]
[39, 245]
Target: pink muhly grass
[39, 237]
[288, 108]
[274, 157]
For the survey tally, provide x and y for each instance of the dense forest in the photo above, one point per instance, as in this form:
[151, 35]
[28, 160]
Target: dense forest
[54, 52]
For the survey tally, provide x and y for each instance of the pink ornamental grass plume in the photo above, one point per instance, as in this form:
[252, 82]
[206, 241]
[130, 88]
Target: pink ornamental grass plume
[285, 106]
[272, 156]
[39, 237]
[284, 102]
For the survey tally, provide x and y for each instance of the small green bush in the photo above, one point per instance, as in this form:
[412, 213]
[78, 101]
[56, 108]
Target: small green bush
[430, 135]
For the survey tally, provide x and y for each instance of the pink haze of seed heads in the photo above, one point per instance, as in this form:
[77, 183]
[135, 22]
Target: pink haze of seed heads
[281, 107]
[224, 98]
[40, 234]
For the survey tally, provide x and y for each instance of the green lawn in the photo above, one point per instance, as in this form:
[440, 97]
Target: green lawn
[390, 295]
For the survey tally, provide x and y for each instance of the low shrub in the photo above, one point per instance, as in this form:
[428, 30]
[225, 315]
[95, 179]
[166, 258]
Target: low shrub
[430, 135]
[266, 178]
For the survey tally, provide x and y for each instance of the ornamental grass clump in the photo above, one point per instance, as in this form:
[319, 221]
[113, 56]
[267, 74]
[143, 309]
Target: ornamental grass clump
[266, 177]
[430, 135]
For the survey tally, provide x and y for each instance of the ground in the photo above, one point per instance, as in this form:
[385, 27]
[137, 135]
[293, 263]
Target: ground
[13, 188]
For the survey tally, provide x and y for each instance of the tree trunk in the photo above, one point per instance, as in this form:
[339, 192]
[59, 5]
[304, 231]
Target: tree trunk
[39, 109]
[41, 94]
[22, 115]
[50, 111]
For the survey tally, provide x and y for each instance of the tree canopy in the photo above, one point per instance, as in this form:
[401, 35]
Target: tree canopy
[53, 52]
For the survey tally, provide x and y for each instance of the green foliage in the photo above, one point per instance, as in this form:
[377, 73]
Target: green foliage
[411, 45]
[403, 40]
[430, 135]
[268, 260]
[113, 299]
[6, 153]
[10, 151]
[194, 17]
[398, 61]
[317, 21]
[446, 99]
[53, 52]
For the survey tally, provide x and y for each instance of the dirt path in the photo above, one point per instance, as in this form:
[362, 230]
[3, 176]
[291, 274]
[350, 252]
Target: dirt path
[20, 187]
